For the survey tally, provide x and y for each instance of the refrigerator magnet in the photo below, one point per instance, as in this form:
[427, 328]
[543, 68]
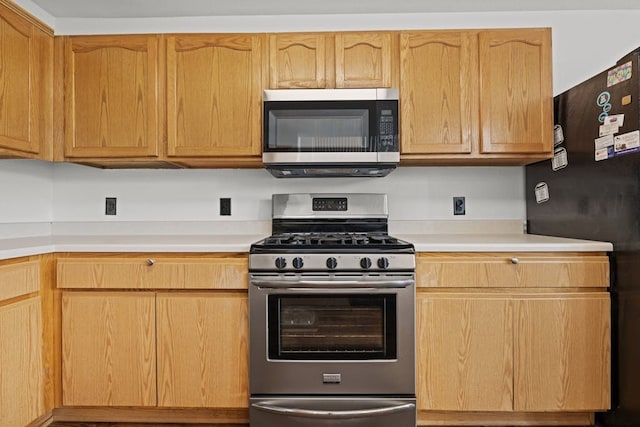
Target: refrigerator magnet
[542, 192]
[558, 135]
[614, 119]
[602, 154]
[559, 160]
[604, 142]
[619, 74]
[608, 129]
[626, 141]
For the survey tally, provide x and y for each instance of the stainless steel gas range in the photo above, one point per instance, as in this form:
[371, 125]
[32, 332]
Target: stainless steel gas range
[332, 310]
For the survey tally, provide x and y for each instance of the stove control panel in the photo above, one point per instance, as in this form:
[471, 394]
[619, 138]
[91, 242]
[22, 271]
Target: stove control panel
[331, 262]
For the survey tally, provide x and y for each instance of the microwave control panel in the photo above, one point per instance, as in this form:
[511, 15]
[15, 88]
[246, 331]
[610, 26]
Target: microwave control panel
[387, 126]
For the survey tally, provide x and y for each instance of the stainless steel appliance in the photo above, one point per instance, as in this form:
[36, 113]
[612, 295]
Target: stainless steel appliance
[330, 132]
[590, 191]
[332, 303]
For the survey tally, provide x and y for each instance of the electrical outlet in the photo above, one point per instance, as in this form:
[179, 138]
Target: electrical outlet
[225, 206]
[110, 205]
[458, 206]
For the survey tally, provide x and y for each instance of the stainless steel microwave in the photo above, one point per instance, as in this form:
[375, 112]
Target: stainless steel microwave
[330, 132]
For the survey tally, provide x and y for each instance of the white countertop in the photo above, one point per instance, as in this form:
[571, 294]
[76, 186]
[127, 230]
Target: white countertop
[17, 247]
[501, 243]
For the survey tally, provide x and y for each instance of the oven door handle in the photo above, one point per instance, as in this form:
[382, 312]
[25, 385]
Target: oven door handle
[333, 284]
[335, 414]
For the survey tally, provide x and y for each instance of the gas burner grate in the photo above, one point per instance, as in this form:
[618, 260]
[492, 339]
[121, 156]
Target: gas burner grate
[333, 239]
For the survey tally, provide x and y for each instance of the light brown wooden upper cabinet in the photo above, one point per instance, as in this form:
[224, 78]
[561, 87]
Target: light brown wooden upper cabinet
[516, 91]
[333, 60]
[214, 95]
[26, 85]
[476, 96]
[111, 97]
[438, 91]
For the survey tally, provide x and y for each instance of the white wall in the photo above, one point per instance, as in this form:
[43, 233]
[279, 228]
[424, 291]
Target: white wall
[26, 191]
[583, 44]
[414, 192]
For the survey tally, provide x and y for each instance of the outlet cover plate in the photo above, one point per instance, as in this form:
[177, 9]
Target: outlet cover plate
[110, 205]
[225, 206]
[459, 207]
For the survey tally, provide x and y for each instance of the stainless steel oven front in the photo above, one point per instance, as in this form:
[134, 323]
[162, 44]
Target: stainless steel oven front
[317, 338]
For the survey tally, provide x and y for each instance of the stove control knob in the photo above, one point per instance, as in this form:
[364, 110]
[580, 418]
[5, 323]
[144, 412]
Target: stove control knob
[281, 263]
[383, 263]
[365, 263]
[332, 263]
[298, 263]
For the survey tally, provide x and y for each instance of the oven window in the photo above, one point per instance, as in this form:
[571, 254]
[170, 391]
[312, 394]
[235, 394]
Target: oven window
[305, 327]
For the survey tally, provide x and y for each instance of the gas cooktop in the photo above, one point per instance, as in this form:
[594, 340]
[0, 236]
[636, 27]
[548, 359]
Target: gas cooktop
[330, 232]
[317, 241]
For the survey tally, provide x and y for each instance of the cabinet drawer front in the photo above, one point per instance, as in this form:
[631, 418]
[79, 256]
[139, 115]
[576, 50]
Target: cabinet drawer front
[512, 270]
[153, 273]
[19, 279]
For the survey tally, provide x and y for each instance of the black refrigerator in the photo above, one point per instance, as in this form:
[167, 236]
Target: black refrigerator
[591, 190]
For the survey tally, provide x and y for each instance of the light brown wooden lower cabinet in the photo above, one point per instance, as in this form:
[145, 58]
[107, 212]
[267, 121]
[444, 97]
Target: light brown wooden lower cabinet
[495, 351]
[203, 349]
[113, 342]
[108, 349]
[464, 352]
[21, 368]
[562, 352]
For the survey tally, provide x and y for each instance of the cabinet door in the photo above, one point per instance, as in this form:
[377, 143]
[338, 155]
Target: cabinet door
[365, 60]
[562, 353]
[438, 91]
[25, 85]
[516, 98]
[108, 349]
[464, 352]
[21, 368]
[214, 95]
[203, 350]
[301, 60]
[111, 96]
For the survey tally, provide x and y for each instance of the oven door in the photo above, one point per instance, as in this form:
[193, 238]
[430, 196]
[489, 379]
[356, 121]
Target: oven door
[332, 334]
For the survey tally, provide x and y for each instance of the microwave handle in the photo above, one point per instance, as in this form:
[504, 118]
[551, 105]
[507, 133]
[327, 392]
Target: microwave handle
[332, 284]
[334, 414]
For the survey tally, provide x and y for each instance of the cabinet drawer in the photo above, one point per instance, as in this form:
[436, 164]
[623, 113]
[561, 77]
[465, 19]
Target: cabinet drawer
[19, 279]
[544, 270]
[153, 272]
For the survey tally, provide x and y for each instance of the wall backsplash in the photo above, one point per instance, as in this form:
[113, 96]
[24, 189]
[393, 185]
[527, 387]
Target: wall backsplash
[26, 191]
[414, 193]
